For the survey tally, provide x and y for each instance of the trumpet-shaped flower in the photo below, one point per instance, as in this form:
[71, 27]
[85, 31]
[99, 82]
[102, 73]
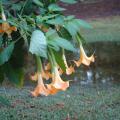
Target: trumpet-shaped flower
[52, 89]
[48, 66]
[5, 27]
[84, 59]
[45, 74]
[40, 89]
[69, 70]
[57, 82]
[34, 77]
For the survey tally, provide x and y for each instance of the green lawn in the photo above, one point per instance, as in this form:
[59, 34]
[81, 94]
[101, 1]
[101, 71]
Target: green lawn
[77, 103]
[104, 29]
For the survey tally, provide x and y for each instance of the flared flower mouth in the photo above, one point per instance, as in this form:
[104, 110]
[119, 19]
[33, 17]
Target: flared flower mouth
[45, 75]
[69, 70]
[40, 89]
[84, 59]
[52, 89]
[57, 82]
[47, 66]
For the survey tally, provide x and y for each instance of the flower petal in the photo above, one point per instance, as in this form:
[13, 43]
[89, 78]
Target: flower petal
[84, 59]
[52, 89]
[34, 77]
[57, 82]
[40, 89]
[46, 75]
[70, 70]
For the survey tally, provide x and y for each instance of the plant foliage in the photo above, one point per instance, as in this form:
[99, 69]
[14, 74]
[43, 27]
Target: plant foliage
[41, 27]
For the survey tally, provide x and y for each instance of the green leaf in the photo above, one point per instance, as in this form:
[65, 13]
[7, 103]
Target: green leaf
[38, 44]
[55, 7]
[82, 23]
[72, 28]
[64, 33]
[4, 101]
[54, 40]
[57, 21]
[63, 43]
[40, 19]
[69, 1]
[70, 17]
[59, 60]
[37, 2]
[16, 76]
[5, 54]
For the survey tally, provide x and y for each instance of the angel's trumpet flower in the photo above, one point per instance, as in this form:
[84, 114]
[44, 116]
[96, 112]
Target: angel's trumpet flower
[84, 59]
[45, 74]
[47, 67]
[40, 89]
[69, 70]
[5, 27]
[57, 82]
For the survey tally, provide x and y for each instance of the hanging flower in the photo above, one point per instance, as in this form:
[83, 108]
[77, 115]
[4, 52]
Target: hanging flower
[47, 67]
[34, 77]
[40, 89]
[83, 58]
[45, 74]
[5, 27]
[52, 89]
[60, 71]
[57, 82]
[69, 70]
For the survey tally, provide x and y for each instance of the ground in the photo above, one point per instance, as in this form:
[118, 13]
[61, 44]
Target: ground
[79, 102]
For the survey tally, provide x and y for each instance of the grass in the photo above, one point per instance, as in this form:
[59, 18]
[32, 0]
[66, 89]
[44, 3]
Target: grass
[104, 29]
[77, 103]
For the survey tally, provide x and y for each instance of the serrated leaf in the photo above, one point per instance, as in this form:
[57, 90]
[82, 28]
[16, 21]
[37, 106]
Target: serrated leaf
[6, 53]
[38, 44]
[55, 7]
